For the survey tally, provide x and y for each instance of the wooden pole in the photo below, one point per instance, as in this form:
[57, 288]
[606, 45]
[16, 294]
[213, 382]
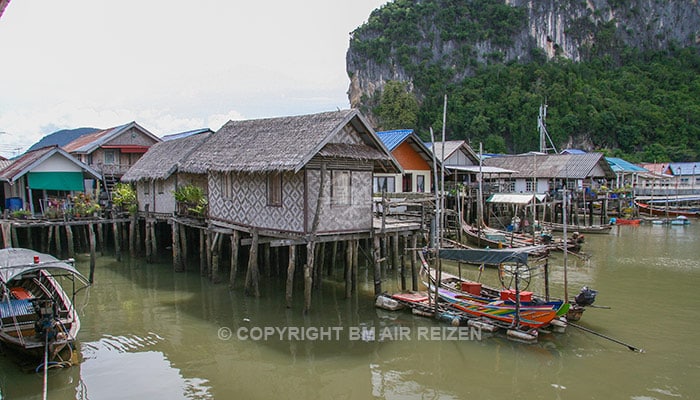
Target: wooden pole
[251, 278]
[49, 239]
[235, 245]
[355, 261]
[348, 268]
[403, 262]
[69, 237]
[216, 256]
[377, 267]
[202, 253]
[132, 236]
[334, 255]
[93, 245]
[183, 245]
[101, 238]
[15, 238]
[177, 254]
[207, 250]
[154, 239]
[290, 275]
[414, 273]
[117, 241]
[57, 240]
[6, 235]
[149, 239]
[308, 275]
[395, 251]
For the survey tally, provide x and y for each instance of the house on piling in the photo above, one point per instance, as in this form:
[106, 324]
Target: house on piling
[39, 178]
[156, 174]
[266, 174]
[112, 151]
[415, 159]
[291, 180]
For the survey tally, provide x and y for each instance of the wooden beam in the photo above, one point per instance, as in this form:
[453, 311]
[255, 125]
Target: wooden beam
[291, 266]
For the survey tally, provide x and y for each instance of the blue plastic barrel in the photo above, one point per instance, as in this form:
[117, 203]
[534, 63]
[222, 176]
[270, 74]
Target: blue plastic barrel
[13, 203]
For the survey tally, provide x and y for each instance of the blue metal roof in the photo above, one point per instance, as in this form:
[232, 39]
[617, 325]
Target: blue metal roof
[685, 168]
[620, 165]
[572, 151]
[392, 139]
[184, 134]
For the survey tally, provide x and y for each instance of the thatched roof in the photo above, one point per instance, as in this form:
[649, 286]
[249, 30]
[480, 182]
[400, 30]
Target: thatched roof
[562, 166]
[287, 144]
[162, 159]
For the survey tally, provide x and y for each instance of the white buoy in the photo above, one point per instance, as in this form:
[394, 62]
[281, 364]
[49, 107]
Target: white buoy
[388, 303]
[483, 326]
[558, 325]
[527, 337]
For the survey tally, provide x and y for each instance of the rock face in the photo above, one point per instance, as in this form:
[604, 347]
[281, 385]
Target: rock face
[574, 29]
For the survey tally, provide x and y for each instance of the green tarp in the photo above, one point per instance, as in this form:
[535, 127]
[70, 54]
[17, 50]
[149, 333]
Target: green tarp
[70, 181]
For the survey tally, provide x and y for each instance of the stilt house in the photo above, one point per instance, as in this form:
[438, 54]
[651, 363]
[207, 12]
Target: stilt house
[269, 174]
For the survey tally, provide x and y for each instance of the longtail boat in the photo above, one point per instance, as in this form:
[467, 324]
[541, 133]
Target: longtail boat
[37, 316]
[577, 228]
[667, 211]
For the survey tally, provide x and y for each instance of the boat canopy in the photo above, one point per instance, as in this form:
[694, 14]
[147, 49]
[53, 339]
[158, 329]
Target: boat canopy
[488, 256]
[15, 262]
[515, 198]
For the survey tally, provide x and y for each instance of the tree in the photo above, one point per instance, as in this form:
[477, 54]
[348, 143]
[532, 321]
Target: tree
[398, 108]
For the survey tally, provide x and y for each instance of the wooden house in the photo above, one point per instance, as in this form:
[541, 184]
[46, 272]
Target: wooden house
[415, 159]
[460, 160]
[112, 151]
[156, 176]
[542, 173]
[269, 174]
[38, 176]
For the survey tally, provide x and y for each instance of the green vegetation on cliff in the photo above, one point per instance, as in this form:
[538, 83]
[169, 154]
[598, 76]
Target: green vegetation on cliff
[640, 106]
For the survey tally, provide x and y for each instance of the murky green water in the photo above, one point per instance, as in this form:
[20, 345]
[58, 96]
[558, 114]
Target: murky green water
[151, 333]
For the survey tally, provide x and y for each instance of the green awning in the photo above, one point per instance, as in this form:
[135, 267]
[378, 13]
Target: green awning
[70, 181]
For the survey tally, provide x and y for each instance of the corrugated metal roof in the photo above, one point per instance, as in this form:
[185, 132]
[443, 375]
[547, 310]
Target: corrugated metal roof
[574, 166]
[620, 165]
[30, 159]
[392, 139]
[181, 135]
[685, 168]
[514, 198]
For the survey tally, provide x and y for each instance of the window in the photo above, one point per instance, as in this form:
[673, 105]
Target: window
[274, 189]
[110, 157]
[341, 188]
[407, 183]
[384, 184]
[227, 186]
[420, 183]
[147, 187]
[161, 185]
[529, 185]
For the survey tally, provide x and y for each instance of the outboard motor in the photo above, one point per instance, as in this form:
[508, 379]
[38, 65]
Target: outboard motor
[586, 297]
[45, 326]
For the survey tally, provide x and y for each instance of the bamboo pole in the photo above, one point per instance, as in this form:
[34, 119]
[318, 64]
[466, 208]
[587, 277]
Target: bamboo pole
[290, 275]
[235, 246]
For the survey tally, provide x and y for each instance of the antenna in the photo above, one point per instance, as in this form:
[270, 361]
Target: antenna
[542, 128]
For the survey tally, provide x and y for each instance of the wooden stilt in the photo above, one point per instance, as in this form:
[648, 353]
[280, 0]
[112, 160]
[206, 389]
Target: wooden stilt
[183, 245]
[414, 273]
[215, 257]
[6, 235]
[290, 275]
[57, 240]
[69, 238]
[139, 242]
[101, 238]
[149, 239]
[93, 246]
[208, 252]
[334, 256]
[308, 275]
[395, 251]
[49, 239]
[117, 240]
[235, 245]
[266, 260]
[385, 251]
[402, 258]
[154, 240]
[348, 268]
[177, 254]
[202, 253]
[132, 235]
[251, 278]
[355, 263]
[15, 237]
[377, 266]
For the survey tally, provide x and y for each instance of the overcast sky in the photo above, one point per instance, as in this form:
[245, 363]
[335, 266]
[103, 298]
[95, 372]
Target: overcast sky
[170, 65]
